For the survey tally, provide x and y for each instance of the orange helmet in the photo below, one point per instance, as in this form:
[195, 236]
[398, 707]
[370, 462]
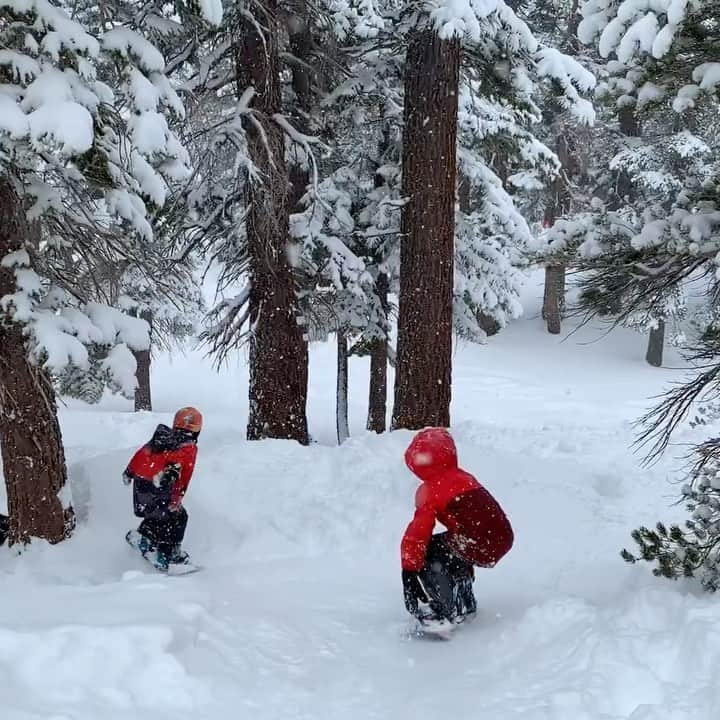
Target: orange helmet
[188, 418]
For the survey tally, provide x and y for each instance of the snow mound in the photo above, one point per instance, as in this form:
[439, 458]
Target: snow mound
[121, 669]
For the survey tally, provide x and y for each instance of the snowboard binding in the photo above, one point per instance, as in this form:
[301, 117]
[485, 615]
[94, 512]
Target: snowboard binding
[451, 601]
[177, 562]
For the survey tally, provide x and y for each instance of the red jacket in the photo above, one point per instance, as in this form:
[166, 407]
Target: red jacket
[478, 529]
[166, 447]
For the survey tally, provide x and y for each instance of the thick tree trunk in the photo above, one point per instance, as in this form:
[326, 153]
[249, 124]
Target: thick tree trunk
[278, 348]
[656, 345]
[32, 451]
[377, 402]
[341, 389]
[424, 355]
[143, 394]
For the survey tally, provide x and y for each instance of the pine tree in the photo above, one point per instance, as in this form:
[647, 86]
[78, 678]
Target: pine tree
[87, 384]
[657, 224]
[692, 551]
[636, 239]
[508, 72]
[423, 379]
[83, 156]
[305, 228]
[366, 135]
[33, 457]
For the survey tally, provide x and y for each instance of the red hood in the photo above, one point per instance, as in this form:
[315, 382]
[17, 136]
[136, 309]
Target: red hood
[432, 451]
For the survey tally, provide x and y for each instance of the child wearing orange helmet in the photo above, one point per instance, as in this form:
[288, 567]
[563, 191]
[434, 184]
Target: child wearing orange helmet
[160, 472]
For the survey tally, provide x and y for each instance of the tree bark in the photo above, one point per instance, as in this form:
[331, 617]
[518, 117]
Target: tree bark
[32, 451]
[143, 394]
[488, 323]
[630, 127]
[377, 402]
[424, 354]
[341, 394]
[278, 348]
[301, 43]
[656, 344]
[554, 297]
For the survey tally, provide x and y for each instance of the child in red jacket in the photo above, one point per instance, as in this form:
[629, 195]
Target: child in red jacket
[160, 472]
[437, 570]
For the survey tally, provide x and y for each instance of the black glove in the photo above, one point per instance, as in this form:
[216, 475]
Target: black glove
[170, 475]
[413, 591]
[126, 478]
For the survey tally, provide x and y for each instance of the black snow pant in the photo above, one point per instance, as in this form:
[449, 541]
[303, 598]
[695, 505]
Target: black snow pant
[4, 528]
[163, 528]
[448, 580]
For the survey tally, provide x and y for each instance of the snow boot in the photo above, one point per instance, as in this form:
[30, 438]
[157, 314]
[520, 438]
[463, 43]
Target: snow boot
[139, 541]
[442, 593]
[161, 560]
[178, 556]
[466, 604]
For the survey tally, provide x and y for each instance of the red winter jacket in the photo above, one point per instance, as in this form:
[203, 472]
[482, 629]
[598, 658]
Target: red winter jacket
[478, 530]
[167, 447]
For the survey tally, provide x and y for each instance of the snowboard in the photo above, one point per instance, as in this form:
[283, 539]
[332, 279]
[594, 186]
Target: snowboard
[187, 567]
[434, 629]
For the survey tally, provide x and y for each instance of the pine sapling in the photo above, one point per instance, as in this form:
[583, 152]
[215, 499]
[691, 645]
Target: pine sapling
[692, 551]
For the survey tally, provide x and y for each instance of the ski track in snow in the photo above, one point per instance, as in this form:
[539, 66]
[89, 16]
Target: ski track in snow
[298, 612]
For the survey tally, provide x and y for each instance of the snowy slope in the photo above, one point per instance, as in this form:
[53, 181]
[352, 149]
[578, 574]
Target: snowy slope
[298, 612]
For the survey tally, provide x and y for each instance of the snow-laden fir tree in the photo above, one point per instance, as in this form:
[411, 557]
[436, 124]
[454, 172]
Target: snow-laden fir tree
[81, 158]
[509, 66]
[322, 268]
[355, 211]
[262, 165]
[556, 22]
[660, 190]
[85, 383]
[662, 228]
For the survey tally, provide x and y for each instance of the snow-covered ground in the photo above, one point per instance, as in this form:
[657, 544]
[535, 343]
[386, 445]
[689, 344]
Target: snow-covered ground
[298, 612]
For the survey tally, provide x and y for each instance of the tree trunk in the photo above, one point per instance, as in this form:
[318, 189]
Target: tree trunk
[278, 348]
[561, 204]
[656, 344]
[554, 297]
[143, 395]
[32, 451]
[301, 43]
[377, 403]
[572, 42]
[630, 127]
[341, 389]
[424, 354]
[488, 323]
